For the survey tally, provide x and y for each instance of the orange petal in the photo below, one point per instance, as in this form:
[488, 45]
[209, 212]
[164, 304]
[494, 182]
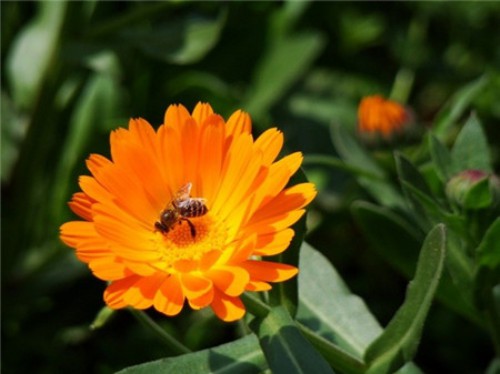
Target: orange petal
[175, 115]
[171, 156]
[92, 248]
[239, 171]
[96, 161]
[139, 160]
[169, 298]
[113, 295]
[124, 235]
[190, 146]
[82, 236]
[240, 250]
[81, 205]
[195, 286]
[236, 207]
[269, 271]
[142, 133]
[209, 259]
[128, 192]
[202, 301]
[227, 308]
[273, 224]
[73, 232]
[273, 243]
[292, 198]
[109, 268]
[275, 180]
[230, 280]
[211, 157]
[93, 189]
[201, 111]
[238, 123]
[257, 286]
[270, 142]
[144, 269]
[141, 294]
[186, 265]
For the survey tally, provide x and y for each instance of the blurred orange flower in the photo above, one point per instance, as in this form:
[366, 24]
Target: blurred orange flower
[187, 212]
[377, 115]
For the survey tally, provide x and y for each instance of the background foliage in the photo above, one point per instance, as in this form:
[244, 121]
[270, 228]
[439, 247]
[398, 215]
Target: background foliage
[73, 71]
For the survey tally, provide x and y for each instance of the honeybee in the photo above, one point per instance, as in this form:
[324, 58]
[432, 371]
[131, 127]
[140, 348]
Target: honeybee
[181, 208]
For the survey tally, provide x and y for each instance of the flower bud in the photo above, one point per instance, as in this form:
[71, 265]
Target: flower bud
[382, 120]
[473, 189]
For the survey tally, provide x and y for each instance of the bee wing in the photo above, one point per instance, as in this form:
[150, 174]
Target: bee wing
[184, 191]
[200, 199]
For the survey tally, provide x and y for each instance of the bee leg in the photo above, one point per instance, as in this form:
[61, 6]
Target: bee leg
[191, 227]
[160, 227]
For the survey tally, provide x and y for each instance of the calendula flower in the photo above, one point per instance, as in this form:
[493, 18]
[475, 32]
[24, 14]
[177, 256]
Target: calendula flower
[186, 213]
[378, 116]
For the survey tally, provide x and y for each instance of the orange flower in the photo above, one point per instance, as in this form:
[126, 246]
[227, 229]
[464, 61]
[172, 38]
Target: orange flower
[378, 115]
[186, 213]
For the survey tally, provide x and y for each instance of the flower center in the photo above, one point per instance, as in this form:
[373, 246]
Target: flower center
[180, 244]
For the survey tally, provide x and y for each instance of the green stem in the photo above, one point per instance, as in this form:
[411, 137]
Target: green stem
[255, 306]
[336, 357]
[337, 163]
[173, 344]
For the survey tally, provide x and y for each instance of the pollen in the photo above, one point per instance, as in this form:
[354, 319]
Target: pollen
[179, 244]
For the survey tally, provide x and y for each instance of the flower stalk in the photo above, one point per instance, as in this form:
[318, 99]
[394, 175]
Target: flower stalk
[175, 346]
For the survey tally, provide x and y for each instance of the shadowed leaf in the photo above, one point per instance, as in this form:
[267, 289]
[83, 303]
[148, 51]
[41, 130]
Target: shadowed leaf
[398, 343]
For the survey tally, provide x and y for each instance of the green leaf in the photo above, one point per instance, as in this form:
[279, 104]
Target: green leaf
[340, 318]
[457, 105]
[494, 366]
[284, 19]
[389, 234]
[279, 68]
[241, 356]
[427, 210]
[399, 243]
[441, 158]
[359, 30]
[353, 153]
[487, 253]
[398, 343]
[33, 52]
[487, 298]
[13, 127]
[410, 174]
[96, 105]
[337, 357]
[181, 41]
[102, 318]
[328, 307]
[479, 195]
[471, 151]
[423, 206]
[371, 176]
[285, 348]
